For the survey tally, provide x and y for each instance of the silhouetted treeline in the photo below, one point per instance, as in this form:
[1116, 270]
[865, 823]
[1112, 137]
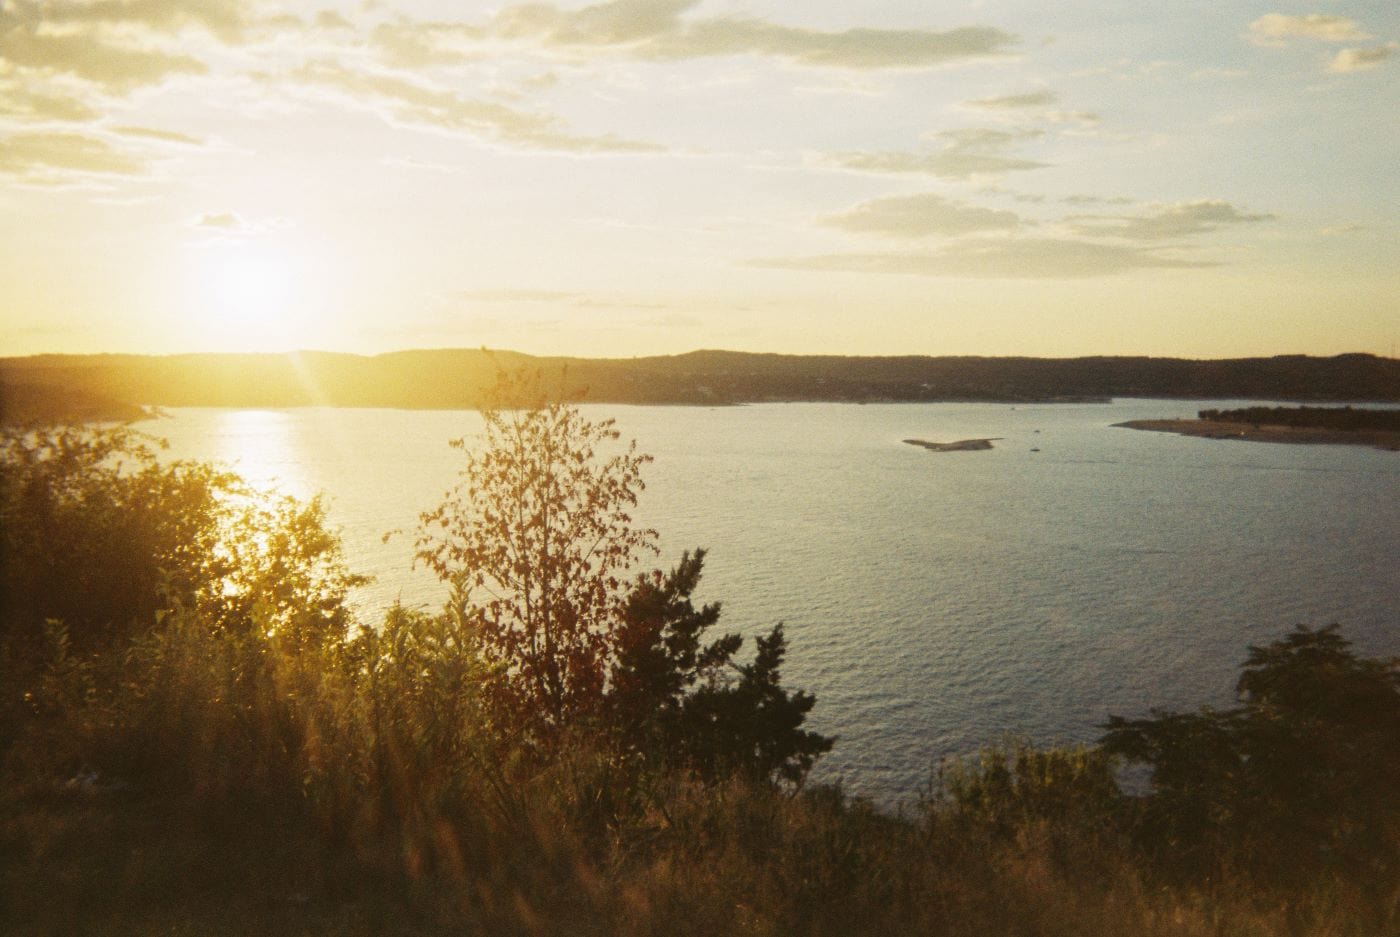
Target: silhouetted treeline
[1342, 418]
[458, 378]
[30, 403]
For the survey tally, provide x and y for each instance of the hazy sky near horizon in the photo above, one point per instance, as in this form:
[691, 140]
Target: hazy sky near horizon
[1192, 178]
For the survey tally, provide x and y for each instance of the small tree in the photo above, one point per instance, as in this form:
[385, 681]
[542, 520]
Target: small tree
[538, 543]
[675, 699]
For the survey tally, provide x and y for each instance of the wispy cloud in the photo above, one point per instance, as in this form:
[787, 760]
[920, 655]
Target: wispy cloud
[414, 103]
[42, 155]
[228, 224]
[1359, 60]
[330, 19]
[1275, 29]
[18, 101]
[163, 136]
[91, 57]
[1096, 200]
[411, 44]
[221, 221]
[1083, 118]
[228, 20]
[967, 153]
[1043, 98]
[914, 216]
[1030, 105]
[657, 29]
[1182, 220]
[997, 258]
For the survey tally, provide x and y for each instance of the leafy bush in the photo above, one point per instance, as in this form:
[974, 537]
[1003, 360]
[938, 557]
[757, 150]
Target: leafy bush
[1008, 786]
[1299, 778]
[176, 623]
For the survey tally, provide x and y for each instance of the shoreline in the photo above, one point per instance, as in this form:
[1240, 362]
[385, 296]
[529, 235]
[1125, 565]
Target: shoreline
[1250, 432]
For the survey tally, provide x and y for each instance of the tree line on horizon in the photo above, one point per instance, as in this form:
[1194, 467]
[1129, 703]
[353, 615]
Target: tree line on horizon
[192, 719]
[462, 378]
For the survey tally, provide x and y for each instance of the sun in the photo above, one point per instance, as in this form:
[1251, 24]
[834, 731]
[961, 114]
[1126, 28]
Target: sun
[250, 297]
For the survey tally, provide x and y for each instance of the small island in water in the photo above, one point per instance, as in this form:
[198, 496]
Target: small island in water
[1344, 426]
[962, 445]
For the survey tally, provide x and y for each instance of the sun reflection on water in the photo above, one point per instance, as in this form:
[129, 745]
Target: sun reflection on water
[259, 445]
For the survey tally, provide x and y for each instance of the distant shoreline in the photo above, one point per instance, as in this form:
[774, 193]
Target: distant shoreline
[461, 378]
[1249, 432]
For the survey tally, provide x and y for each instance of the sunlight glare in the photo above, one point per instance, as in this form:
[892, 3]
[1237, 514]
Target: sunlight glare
[258, 445]
[248, 297]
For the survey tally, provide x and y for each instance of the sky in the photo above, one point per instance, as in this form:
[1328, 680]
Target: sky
[1194, 178]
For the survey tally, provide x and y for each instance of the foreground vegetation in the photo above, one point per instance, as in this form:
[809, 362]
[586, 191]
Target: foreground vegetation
[196, 738]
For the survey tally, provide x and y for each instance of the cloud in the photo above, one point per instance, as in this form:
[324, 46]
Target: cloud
[228, 20]
[1087, 118]
[1096, 200]
[1016, 106]
[408, 44]
[914, 216]
[165, 136]
[19, 101]
[997, 258]
[1016, 101]
[1174, 221]
[1275, 29]
[88, 56]
[655, 29]
[540, 82]
[228, 224]
[420, 104]
[620, 22]
[968, 153]
[1357, 60]
[41, 155]
[221, 221]
[330, 19]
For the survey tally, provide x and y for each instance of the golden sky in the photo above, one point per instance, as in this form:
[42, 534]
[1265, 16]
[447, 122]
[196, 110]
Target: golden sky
[1201, 178]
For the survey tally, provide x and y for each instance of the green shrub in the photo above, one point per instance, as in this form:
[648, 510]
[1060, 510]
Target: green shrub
[1300, 779]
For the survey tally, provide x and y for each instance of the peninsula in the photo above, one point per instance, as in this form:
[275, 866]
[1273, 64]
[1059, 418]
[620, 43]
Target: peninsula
[1343, 426]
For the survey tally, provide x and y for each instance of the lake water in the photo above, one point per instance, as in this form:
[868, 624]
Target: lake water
[932, 601]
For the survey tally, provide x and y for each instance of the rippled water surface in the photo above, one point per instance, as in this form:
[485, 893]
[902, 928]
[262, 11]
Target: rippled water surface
[933, 601]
